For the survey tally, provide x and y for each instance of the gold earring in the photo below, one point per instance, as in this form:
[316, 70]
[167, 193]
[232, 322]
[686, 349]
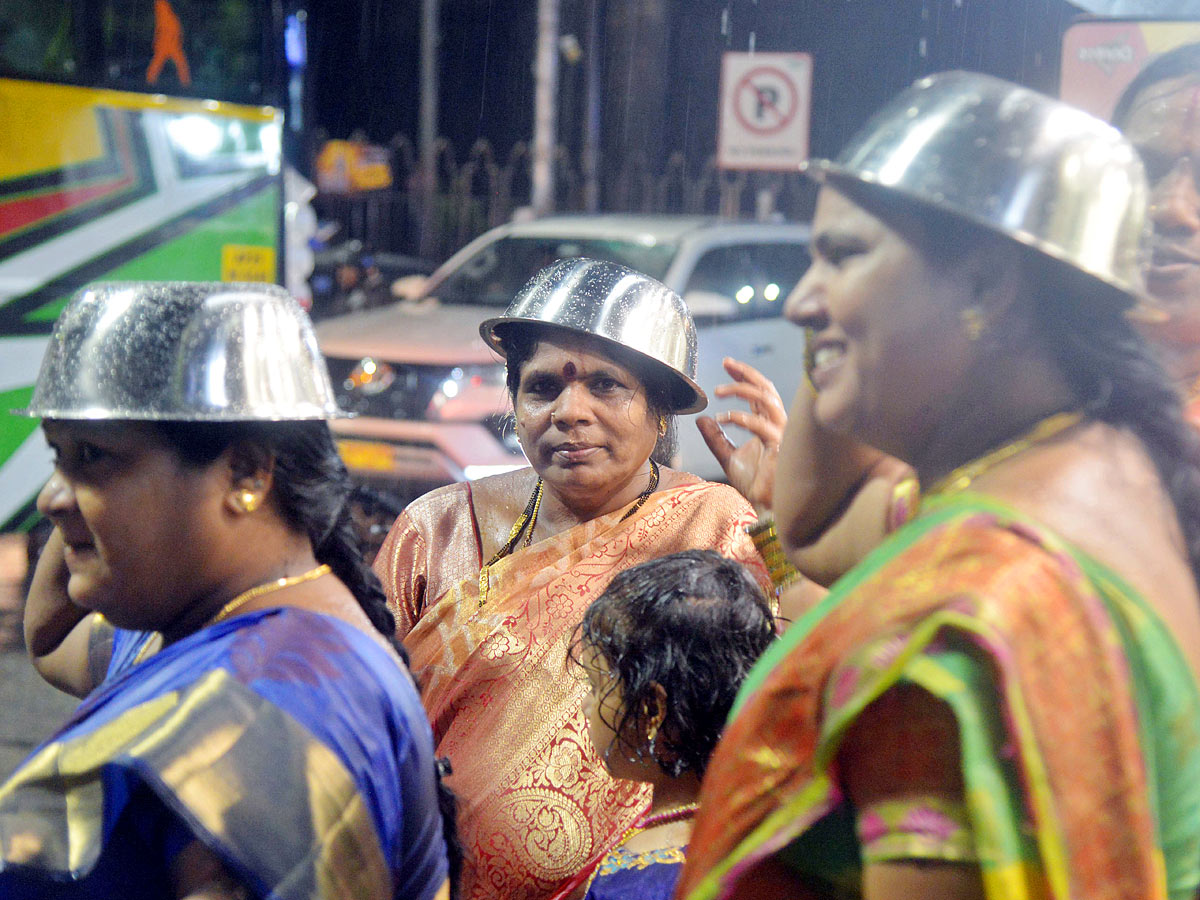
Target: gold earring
[662, 426]
[973, 323]
[247, 500]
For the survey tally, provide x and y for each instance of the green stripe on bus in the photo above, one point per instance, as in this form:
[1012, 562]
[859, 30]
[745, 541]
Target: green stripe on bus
[195, 256]
[15, 429]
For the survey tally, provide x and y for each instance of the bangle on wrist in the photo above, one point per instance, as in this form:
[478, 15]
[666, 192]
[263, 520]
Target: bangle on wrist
[765, 538]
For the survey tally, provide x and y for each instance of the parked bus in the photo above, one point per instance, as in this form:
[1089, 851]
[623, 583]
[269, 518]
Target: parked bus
[139, 139]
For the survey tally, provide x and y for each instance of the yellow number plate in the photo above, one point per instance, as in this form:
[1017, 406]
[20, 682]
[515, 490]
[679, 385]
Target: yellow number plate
[245, 262]
[372, 455]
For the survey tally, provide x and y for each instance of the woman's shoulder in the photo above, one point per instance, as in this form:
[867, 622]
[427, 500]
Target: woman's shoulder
[686, 485]
[435, 502]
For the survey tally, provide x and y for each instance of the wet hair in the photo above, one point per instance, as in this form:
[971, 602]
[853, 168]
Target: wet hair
[1110, 366]
[1177, 63]
[520, 343]
[310, 488]
[693, 623]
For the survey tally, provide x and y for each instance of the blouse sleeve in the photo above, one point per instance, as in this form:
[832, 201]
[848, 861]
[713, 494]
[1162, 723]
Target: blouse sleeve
[402, 567]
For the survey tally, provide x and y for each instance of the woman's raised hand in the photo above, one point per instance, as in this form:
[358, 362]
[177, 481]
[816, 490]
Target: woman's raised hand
[749, 467]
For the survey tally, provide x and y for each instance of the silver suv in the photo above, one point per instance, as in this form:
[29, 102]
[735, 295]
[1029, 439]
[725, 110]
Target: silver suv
[429, 395]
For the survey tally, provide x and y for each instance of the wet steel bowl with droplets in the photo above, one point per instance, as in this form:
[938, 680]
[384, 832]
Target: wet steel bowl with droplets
[183, 351]
[1017, 162]
[617, 305]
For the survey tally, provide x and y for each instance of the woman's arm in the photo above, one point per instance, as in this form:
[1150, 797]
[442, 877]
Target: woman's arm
[833, 495]
[198, 874]
[58, 634]
[903, 752]
[401, 566]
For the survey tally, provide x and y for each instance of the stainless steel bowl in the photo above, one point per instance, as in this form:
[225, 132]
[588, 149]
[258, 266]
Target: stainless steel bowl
[1035, 169]
[616, 305]
[185, 351]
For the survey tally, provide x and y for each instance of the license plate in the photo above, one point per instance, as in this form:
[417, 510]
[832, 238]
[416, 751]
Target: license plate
[372, 455]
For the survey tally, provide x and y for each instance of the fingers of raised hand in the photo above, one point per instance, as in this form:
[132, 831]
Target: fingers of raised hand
[746, 373]
[764, 428]
[714, 436]
[762, 402]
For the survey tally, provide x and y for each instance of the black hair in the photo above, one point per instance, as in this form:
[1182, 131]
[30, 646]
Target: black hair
[693, 623]
[1113, 370]
[520, 343]
[1176, 63]
[310, 487]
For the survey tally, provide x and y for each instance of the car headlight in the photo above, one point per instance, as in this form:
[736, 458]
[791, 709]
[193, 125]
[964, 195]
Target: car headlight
[470, 393]
[370, 377]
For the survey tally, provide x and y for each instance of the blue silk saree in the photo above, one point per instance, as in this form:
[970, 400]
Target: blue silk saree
[293, 745]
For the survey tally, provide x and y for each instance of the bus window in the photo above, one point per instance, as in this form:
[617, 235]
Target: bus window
[220, 49]
[204, 48]
[36, 40]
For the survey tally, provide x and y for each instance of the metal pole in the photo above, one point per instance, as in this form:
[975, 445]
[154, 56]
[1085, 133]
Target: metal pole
[545, 119]
[427, 122]
[591, 118]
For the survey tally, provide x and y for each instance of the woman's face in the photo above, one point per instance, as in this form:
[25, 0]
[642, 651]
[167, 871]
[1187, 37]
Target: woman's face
[135, 520]
[886, 344]
[1164, 124]
[583, 420]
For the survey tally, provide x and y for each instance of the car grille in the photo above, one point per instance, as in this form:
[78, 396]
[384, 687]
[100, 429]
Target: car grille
[405, 398]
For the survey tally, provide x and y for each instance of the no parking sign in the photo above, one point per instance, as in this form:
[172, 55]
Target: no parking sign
[764, 110]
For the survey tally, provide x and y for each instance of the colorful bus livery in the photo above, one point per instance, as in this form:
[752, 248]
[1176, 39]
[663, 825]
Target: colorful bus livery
[111, 185]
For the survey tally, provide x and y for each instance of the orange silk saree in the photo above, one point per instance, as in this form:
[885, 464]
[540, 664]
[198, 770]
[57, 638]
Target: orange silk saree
[535, 802]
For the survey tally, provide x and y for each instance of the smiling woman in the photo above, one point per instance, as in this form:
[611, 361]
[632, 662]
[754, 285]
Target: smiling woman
[248, 729]
[1160, 113]
[488, 579]
[1001, 699]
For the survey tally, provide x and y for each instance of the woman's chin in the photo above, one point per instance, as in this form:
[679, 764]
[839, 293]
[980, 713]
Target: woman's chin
[835, 413]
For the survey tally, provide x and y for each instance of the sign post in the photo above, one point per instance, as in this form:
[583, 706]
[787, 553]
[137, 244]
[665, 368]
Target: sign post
[765, 102]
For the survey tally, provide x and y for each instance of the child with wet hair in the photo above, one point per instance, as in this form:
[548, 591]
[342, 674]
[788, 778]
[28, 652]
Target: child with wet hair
[665, 649]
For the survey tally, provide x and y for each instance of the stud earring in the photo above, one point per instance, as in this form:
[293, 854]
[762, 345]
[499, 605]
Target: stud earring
[973, 323]
[247, 500]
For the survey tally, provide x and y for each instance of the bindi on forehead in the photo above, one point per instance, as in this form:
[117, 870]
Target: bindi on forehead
[569, 370]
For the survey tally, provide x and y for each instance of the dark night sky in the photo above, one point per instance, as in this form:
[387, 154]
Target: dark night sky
[364, 60]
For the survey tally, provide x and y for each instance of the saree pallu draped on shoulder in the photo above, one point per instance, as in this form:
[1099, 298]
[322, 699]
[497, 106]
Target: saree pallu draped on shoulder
[289, 743]
[536, 803]
[1077, 714]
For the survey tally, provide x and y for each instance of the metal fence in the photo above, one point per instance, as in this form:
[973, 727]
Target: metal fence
[482, 191]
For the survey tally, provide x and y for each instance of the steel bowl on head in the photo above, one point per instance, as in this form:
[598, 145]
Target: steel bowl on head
[615, 305]
[183, 351]
[1019, 163]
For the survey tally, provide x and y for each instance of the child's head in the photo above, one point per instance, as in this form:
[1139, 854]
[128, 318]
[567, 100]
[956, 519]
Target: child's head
[666, 647]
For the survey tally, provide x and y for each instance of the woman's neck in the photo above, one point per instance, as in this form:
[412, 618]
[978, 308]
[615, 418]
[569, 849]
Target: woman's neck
[560, 511]
[250, 563]
[675, 793]
[1007, 408]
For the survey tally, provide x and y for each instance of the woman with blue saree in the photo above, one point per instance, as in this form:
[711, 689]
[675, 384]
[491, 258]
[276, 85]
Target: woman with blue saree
[1001, 700]
[250, 729]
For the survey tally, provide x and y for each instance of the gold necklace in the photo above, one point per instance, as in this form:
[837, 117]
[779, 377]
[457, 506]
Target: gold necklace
[960, 479]
[528, 520]
[266, 588]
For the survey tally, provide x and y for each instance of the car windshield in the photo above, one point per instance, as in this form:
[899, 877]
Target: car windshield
[493, 276]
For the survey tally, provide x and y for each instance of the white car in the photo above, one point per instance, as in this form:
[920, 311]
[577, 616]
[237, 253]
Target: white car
[429, 395]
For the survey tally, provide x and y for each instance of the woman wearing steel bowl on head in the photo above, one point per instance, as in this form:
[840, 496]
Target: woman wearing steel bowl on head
[1160, 114]
[1000, 701]
[489, 579]
[251, 730]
